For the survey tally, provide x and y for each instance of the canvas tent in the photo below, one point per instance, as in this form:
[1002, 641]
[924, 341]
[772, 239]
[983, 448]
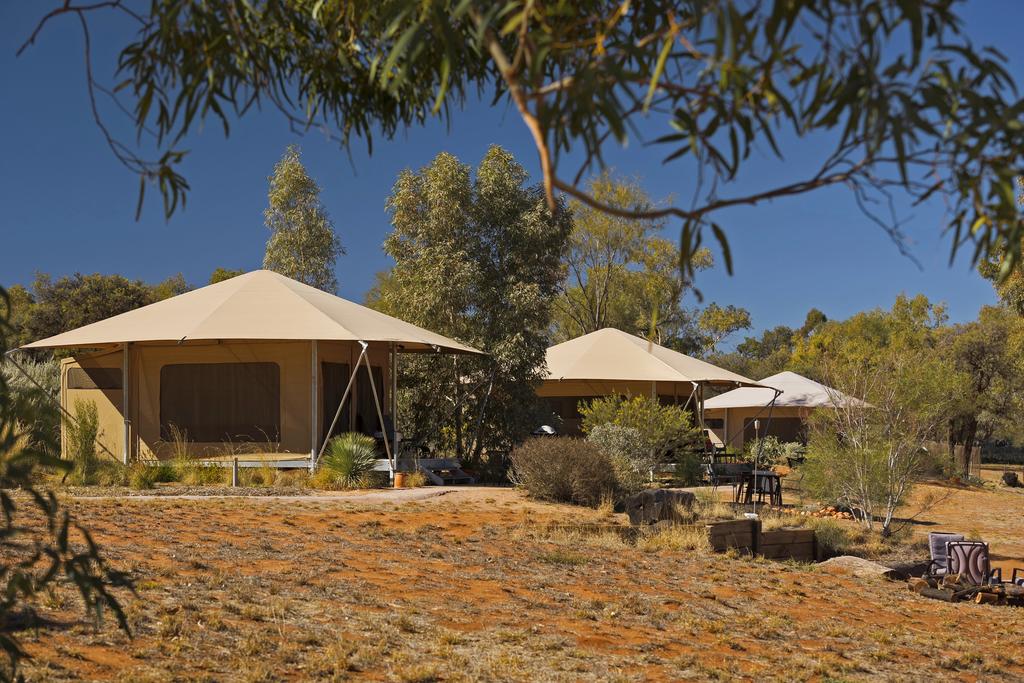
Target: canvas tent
[612, 362]
[258, 362]
[732, 414]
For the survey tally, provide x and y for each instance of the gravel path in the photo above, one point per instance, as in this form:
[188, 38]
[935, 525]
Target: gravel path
[380, 496]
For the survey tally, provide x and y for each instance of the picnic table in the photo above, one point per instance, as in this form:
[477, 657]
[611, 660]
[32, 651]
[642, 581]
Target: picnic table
[763, 483]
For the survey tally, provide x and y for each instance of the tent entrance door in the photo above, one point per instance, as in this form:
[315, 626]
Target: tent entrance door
[335, 377]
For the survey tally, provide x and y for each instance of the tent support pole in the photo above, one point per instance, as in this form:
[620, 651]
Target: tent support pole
[314, 394]
[125, 384]
[380, 415]
[394, 400]
[341, 404]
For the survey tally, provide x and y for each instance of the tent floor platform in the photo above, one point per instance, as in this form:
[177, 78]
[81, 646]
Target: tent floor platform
[279, 460]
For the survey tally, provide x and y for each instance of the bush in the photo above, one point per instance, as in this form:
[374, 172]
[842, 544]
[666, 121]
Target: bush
[689, 471]
[663, 429]
[564, 469]
[34, 400]
[347, 462]
[82, 432]
[773, 452]
[626, 449]
[142, 475]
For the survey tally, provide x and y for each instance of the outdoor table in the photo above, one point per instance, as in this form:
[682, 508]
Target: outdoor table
[766, 482]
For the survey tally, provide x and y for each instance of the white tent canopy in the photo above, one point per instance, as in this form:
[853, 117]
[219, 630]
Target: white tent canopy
[797, 392]
[261, 305]
[611, 355]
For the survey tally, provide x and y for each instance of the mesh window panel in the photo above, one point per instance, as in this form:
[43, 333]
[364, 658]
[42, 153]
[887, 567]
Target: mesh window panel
[367, 421]
[212, 402]
[94, 378]
[785, 429]
[336, 377]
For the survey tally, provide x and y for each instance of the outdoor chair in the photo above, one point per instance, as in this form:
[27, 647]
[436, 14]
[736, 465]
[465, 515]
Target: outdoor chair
[970, 560]
[1014, 579]
[937, 540]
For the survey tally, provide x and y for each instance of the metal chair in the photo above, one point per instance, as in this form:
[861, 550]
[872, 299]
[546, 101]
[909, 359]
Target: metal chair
[970, 560]
[937, 540]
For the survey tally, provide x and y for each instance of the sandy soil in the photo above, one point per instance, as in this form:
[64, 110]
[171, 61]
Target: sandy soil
[472, 585]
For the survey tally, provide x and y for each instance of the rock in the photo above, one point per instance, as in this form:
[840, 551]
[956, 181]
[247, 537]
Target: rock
[1011, 479]
[656, 505]
[859, 567]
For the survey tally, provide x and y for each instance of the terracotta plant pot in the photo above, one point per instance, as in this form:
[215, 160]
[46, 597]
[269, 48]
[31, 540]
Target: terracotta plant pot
[400, 480]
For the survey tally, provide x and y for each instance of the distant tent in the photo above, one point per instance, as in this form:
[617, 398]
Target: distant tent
[731, 415]
[612, 362]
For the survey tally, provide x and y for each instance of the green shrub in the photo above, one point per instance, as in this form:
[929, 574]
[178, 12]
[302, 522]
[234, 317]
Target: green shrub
[347, 462]
[626, 449]
[564, 469]
[142, 475]
[164, 472]
[82, 431]
[34, 399]
[663, 430]
[773, 452]
[689, 471]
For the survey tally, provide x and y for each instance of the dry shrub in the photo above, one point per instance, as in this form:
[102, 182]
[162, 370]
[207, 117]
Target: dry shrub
[563, 469]
[292, 479]
[676, 538]
[709, 506]
[415, 479]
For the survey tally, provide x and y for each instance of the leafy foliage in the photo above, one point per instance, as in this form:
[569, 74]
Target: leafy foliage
[476, 259]
[347, 462]
[621, 273]
[663, 429]
[896, 98]
[55, 306]
[34, 391]
[867, 456]
[34, 557]
[989, 391]
[302, 244]
[629, 455]
[222, 274]
[564, 469]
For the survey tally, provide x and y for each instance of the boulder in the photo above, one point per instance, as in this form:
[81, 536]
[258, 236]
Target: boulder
[859, 567]
[656, 505]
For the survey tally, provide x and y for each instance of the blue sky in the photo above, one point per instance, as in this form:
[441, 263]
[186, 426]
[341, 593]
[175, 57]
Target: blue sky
[69, 206]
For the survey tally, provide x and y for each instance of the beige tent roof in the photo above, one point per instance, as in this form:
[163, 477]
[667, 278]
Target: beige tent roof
[614, 355]
[261, 305]
[797, 392]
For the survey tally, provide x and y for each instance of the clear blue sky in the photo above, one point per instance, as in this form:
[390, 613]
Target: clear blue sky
[69, 206]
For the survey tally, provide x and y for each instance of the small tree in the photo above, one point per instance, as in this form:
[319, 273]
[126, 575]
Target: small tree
[302, 244]
[867, 456]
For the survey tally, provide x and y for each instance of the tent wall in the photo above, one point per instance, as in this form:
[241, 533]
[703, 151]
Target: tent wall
[294, 393]
[728, 424]
[95, 379]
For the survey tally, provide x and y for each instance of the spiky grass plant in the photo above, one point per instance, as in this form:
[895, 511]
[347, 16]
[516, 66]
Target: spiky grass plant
[347, 462]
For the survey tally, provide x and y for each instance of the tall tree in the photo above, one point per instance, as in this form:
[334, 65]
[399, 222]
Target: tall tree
[897, 98]
[477, 257]
[55, 306]
[302, 244]
[222, 274]
[620, 272]
[990, 389]
[769, 354]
